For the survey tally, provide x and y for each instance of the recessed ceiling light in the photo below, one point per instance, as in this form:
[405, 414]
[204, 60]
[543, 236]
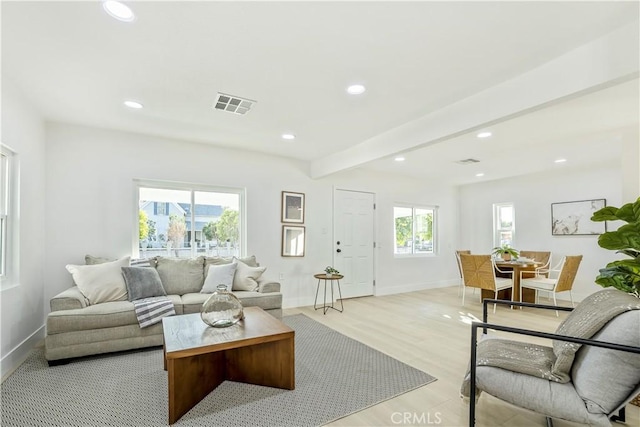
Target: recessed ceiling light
[560, 160]
[484, 134]
[288, 136]
[119, 11]
[356, 89]
[480, 174]
[133, 104]
[399, 159]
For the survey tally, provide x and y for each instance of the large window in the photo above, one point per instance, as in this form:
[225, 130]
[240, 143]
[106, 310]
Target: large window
[188, 220]
[414, 230]
[504, 225]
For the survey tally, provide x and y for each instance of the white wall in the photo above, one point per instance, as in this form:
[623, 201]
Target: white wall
[532, 196]
[23, 306]
[90, 206]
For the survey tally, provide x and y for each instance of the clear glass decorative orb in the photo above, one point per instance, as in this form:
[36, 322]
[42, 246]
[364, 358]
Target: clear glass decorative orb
[221, 309]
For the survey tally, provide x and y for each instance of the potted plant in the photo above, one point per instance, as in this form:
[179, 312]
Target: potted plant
[505, 251]
[623, 274]
[330, 271]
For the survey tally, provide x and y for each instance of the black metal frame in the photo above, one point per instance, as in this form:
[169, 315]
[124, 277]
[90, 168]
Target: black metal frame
[485, 325]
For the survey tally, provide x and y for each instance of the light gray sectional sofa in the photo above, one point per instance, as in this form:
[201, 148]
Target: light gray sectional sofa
[75, 327]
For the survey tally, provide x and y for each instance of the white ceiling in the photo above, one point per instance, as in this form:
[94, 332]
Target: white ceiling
[77, 65]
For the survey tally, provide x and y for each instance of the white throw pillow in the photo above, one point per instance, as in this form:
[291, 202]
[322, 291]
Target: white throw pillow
[101, 282]
[219, 275]
[246, 277]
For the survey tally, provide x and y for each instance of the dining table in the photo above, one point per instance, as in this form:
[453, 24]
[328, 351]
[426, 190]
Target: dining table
[515, 266]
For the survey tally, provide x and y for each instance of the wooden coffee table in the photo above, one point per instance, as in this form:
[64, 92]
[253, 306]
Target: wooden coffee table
[198, 358]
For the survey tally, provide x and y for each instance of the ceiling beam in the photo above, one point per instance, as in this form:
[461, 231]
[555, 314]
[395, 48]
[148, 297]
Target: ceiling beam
[604, 62]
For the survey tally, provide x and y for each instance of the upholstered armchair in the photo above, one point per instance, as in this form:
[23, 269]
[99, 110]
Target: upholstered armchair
[588, 374]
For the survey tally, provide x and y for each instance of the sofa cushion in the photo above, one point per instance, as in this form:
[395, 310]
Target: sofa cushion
[181, 275]
[192, 303]
[594, 367]
[246, 277]
[219, 275]
[142, 282]
[107, 315]
[101, 282]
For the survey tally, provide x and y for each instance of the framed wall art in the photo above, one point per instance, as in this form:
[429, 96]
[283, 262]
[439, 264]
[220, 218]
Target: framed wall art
[574, 218]
[293, 240]
[293, 207]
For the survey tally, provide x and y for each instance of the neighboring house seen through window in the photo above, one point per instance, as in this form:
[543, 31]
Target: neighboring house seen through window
[189, 220]
[414, 230]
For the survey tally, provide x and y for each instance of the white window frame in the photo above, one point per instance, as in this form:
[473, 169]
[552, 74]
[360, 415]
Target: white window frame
[434, 231]
[10, 221]
[193, 188]
[497, 226]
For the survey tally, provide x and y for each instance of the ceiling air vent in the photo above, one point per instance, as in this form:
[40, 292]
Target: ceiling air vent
[233, 104]
[467, 161]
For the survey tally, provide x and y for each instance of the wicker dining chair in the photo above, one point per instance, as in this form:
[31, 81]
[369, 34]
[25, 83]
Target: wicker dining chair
[478, 271]
[540, 256]
[458, 252]
[566, 274]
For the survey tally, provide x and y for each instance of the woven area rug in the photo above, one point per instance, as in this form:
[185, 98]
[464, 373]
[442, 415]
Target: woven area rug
[335, 376]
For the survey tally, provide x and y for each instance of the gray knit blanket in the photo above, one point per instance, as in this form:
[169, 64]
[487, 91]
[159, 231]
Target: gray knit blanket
[150, 311]
[554, 363]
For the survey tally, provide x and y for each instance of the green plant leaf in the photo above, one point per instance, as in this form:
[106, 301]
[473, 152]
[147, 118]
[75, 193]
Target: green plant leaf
[625, 237]
[630, 212]
[608, 213]
[621, 277]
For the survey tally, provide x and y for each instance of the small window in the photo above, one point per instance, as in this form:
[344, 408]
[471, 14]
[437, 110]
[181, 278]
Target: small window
[4, 205]
[504, 228]
[8, 212]
[188, 220]
[414, 230]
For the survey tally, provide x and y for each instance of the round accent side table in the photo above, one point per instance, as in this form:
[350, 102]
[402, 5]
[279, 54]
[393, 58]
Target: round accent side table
[334, 278]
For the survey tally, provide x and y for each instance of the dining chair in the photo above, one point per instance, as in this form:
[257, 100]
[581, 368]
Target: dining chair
[566, 272]
[460, 268]
[478, 271]
[539, 256]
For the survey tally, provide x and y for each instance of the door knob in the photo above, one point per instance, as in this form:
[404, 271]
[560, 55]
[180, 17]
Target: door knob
[338, 242]
[338, 250]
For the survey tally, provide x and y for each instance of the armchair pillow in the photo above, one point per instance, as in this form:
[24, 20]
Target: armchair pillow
[142, 282]
[101, 282]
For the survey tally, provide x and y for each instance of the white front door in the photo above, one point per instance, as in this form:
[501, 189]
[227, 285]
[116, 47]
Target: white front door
[353, 239]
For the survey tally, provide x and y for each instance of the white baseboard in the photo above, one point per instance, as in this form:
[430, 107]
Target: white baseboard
[17, 355]
[296, 302]
[390, 290]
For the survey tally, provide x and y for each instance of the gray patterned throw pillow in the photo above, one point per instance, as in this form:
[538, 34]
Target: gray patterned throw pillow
[142, 282]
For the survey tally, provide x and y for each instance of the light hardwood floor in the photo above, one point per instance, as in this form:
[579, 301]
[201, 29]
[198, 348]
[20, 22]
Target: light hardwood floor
[430, 331]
